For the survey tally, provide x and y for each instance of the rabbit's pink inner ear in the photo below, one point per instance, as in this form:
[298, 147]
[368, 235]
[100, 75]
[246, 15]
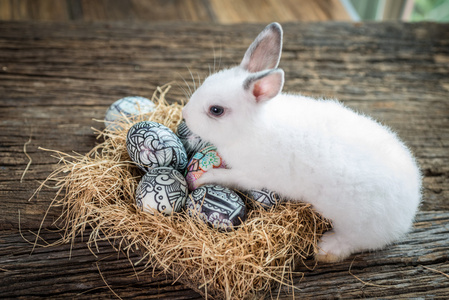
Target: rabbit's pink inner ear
[265, 52]
[258, 91]
[268, 86]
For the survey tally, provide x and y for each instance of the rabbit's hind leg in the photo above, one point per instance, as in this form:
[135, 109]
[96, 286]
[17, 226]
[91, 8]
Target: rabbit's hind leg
[332, 248]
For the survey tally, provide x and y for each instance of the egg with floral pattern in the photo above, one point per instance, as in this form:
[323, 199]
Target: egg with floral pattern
[128, 107]
[203, 161]
[163, 189]
[218, 206]
[151, 145]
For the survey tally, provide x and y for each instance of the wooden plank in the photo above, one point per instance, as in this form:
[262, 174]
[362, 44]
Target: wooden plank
[56, 78]
[235, 11]
[226, 12]
[409, 269]
[5, 10]
[164, 11]
[74, 10]
[39, 10]
[64, 271]
[49, 10]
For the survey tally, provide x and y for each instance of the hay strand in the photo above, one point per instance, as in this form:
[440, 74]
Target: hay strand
[97, 191]
[29, 158]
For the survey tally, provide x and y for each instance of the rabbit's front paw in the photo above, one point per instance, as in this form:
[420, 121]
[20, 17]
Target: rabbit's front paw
[230, 178]
[209, 177]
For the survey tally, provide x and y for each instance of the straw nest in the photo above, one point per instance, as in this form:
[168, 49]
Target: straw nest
[97, 190]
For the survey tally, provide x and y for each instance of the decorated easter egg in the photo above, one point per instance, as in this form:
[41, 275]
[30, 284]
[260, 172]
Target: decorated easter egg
[218, 206]
[153, 145]
[265, 198]
[129, 107]
[192, 142]
[204, 160]
[163, 189]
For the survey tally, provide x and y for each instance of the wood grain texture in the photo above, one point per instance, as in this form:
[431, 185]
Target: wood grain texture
[266, 11]
[409, 269]
[56, 78]
[220, 11]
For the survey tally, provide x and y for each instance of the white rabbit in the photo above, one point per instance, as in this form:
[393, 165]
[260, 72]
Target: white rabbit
[352, 169]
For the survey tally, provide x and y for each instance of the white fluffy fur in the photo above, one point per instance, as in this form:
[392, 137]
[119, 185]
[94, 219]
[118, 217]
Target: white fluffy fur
[353, 170]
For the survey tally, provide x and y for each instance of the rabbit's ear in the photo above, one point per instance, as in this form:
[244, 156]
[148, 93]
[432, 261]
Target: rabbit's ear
[265, 52]
[265, 85]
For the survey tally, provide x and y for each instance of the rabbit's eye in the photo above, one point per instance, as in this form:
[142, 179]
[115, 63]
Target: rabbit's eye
[216, 110]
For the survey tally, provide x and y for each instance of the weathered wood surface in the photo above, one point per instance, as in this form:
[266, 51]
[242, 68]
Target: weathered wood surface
[56, 78]
[218, 11]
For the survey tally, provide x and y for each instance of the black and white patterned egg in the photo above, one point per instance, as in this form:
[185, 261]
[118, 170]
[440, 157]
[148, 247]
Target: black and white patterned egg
[129, 107]
[265, 198]
[192, 142]
[153, 145]
[218, 206]
[163, 189]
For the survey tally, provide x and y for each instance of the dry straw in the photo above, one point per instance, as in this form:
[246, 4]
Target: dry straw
[97, 191]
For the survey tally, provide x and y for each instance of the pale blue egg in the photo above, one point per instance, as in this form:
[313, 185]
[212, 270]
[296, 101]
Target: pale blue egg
[128, 107]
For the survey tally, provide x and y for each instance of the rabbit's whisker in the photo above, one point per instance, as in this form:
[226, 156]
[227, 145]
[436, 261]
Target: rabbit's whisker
[193, 79]
[189, 92]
